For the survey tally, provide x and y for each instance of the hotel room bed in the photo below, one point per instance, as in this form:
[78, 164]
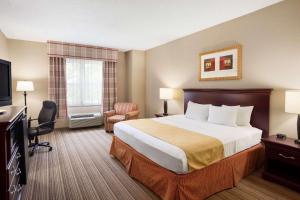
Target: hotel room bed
[234, 139]
[162, 167]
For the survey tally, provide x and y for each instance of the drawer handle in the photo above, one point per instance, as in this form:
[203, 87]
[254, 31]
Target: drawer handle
[19, 187]
[287, 157]
[18, 171]
[18, 156]
[13, 189]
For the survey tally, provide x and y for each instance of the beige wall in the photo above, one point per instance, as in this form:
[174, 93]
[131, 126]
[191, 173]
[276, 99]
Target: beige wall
[3, 47]
[136, 79]
[271, 45]
[122, 78]
[30, 62]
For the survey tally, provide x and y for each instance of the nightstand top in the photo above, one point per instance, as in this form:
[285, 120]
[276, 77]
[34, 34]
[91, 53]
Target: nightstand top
[286, 142]
[162, 115]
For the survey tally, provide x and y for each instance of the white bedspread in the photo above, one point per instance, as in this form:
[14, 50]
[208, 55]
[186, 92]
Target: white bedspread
[234, 139]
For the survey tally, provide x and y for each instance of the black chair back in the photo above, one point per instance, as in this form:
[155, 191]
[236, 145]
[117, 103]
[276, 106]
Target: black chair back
[48, 113]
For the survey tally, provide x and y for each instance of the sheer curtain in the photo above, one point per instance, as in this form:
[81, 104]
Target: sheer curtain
[84, 82]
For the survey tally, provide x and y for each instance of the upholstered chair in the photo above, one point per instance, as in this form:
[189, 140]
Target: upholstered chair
[122, 111]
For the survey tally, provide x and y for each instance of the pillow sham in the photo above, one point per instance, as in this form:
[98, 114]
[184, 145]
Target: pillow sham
[223, 115]
[197, 111]
[244, 115]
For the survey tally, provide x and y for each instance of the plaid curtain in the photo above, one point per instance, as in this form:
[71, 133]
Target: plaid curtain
[71, 50]
[109, 85]
[57, 85]
[59, 51]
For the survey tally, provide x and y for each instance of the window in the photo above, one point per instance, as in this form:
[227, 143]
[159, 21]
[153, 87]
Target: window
[84, 82]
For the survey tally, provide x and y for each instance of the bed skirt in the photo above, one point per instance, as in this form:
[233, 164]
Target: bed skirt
[198, 184]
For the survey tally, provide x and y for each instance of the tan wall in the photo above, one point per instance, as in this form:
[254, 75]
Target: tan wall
[136, 79]
[271, 45]
[3, 47]
[121, 78]
[30, 62]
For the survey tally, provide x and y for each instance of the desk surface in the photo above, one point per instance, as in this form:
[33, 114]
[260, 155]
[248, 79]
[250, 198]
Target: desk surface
[10, 114]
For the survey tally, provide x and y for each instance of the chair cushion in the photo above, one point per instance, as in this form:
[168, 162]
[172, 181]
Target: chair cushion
[116, 118]
[123, 108]
[42, 131]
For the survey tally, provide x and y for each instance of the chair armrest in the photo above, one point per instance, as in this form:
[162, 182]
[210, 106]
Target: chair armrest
[109, 113]
[29, 122]
[45, 123]
[132, 115]
[37, 128]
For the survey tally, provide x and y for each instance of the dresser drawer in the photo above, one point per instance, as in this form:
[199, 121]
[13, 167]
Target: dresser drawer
[284, 155]
[15, 188]
[14, 174]
[14, 159]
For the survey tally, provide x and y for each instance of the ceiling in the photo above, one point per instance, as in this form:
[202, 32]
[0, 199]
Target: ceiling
[122, 24]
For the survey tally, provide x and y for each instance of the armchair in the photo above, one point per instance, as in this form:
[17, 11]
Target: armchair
[121, 112]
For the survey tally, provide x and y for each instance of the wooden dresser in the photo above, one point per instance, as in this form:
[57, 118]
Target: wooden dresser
[13, 152]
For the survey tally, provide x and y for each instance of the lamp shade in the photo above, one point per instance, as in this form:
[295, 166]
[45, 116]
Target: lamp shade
[292, 101]
[166, 93]
[24, 86]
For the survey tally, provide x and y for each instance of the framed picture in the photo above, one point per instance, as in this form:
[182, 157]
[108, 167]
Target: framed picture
[223, 64]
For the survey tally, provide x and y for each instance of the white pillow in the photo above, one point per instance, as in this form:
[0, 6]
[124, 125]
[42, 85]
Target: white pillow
[197, 111]
[223, 115]
[244, 115]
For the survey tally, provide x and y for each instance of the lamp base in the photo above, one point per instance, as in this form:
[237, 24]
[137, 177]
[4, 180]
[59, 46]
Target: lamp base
[165, 108]
[297, 141]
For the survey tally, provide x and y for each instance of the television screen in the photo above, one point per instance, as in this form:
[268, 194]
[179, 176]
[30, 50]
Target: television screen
[5, 83]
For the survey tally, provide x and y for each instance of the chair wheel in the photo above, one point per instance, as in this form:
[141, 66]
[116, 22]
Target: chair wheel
[50, 149]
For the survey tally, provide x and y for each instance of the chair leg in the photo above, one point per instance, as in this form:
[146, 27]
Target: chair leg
[32, 150]
[36, 144]
[44, 143]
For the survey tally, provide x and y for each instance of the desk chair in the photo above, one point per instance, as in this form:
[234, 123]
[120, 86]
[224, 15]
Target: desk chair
[46, 121]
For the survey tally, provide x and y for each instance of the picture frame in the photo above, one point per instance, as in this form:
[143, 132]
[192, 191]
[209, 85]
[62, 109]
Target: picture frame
[222, 64]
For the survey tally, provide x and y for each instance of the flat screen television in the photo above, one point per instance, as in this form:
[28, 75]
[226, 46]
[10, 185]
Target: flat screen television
[5, 83]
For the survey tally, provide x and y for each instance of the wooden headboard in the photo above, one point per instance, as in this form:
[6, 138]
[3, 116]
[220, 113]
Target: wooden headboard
[259, 98]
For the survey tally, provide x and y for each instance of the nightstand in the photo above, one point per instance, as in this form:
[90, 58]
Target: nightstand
[161, 115]
[282, 162]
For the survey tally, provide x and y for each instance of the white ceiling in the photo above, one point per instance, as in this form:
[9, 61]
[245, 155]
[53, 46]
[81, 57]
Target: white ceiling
[123, 24]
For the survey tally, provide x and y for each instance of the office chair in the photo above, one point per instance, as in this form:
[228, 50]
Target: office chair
[46, 121]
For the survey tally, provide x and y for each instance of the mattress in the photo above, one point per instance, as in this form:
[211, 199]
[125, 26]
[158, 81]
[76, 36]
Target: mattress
[234, 139]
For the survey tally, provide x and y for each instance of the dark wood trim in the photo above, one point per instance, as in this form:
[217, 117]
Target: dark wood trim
[259, 98]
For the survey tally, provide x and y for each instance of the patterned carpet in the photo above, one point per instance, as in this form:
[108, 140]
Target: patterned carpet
[79, 167]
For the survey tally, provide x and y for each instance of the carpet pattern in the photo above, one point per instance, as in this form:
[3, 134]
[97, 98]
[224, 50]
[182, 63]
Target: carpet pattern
[80, 168]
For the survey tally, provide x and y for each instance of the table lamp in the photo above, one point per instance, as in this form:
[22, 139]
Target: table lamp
[25, 86]
[292, 105]
[165, 94]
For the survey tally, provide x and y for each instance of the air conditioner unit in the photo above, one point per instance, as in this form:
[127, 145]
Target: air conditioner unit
[85, 120]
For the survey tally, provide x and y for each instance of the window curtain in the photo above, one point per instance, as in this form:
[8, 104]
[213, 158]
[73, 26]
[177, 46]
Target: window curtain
[57, 85]
[63, 50]
[109, 85]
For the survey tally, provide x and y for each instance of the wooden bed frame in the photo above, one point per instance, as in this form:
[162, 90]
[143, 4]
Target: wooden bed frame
[202, 183]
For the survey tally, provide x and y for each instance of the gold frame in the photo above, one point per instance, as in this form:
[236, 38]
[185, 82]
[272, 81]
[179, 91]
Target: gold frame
[239, 64]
